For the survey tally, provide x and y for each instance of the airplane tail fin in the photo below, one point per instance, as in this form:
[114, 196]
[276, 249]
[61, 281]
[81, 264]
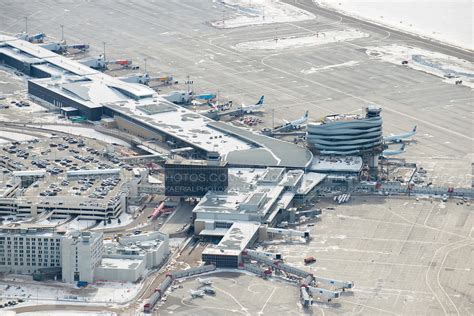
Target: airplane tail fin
[414, 129]
[306, 114]
[402, 149]
[260, 101]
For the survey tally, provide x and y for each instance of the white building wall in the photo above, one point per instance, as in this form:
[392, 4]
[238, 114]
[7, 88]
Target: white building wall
[27, 252]
[120, 274]
[81, 256]
[221, 216]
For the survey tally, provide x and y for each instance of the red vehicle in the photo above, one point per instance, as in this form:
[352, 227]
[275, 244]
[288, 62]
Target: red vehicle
[309, 260]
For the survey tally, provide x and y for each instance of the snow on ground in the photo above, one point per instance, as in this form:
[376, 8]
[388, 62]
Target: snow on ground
[154, 180]
[78, 224]
[256, 12]
[86, 132]
[448, 21]
[67, 313]
[15, 136]
[98, 292]
[125, 219]
[50, 221]
[320, 38]
[33, 108]
[115, 292]
[444, 66]
[313, 70]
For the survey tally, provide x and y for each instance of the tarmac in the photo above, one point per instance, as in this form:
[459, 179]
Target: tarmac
[404, 256]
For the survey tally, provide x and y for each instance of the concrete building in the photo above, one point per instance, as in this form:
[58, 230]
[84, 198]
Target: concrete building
[27, 249]
[82, 253]
[79, 256]
[228, 252]
[130, 258]
[253, 195]
[49, 185]
[30, 249]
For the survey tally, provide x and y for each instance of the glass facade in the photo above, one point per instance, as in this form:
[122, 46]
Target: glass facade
[221, 261]
[194, 179]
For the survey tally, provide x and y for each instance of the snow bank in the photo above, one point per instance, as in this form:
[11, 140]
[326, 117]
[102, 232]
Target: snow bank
[256, 12]
[125, 219]
[320, 38]
[322, 68]
[450, 68]
[67, 313]
[51, 292]
[16, 136]
[446, 21]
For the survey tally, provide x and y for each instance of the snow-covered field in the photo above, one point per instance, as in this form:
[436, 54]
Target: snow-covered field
[255, 12]
[320, 38]
[448, 21]
[7, 135]
[313, 70]
[98, 292]
[67, 313]
[450, 68]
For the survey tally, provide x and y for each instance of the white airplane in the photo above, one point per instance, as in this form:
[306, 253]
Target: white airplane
[36, 38]
[204, 281]
[399, 138]
[298, 123]
[394, 152]
[251, 108]
[196, 293]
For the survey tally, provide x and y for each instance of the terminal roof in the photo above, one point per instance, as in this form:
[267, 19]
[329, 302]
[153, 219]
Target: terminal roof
[235, 240]
[336, 164]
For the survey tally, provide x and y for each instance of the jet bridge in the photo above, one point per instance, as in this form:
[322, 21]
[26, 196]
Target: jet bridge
[343, 285]
[275, 263]
[323, 293]
[309, 279]
[288, 232]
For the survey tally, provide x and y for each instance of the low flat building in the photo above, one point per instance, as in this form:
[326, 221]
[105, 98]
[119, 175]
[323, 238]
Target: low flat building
[228, 252]
[120, 269]
[132, 256]
[253, 195]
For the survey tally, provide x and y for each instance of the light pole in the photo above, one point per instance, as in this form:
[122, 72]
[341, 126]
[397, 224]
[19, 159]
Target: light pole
[104, 50]
[145, 65]
[26, 24]
[62, 32]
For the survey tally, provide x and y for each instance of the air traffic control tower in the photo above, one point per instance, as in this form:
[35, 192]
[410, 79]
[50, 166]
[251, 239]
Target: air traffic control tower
[348, 135]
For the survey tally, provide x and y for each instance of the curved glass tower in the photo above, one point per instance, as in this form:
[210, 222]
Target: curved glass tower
[347, 134]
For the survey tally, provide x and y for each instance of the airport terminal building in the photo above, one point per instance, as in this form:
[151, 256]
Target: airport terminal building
[138, 110]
